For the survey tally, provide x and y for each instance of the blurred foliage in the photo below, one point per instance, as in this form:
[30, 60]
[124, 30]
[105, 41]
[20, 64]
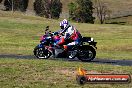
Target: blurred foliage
[48, 8]
[81, 11]
[16, 5]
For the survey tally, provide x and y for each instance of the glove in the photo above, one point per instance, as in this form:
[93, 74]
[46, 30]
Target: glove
[55, 33]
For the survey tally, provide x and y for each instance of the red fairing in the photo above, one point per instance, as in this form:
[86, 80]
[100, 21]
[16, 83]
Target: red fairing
[75, 36]
[41, 38]
[62, 40]
[56, 38]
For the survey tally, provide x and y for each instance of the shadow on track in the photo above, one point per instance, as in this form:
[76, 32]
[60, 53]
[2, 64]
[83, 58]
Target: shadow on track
[98, 61]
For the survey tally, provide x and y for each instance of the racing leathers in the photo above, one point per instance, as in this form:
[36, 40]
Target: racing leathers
[71, 34]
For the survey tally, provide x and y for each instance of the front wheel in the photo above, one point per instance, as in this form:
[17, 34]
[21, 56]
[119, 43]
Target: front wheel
[42, 53]
[87, 54]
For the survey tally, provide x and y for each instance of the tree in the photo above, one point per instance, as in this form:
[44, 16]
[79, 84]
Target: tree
[38, 7]
[56, 8]
[16, 5]
[101, 10]
[8, 5]
[0, 1]
[23, 5]
[82, 10]
[48, 8]
[72, 9]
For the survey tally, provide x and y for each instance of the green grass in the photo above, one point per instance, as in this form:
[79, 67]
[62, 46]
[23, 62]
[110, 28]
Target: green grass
[127, 20]
[52, 73]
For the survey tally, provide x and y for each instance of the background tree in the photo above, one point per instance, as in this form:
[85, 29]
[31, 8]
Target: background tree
[101, 10]
[0, 1]
[16, 5]
[39, 7]
[82, 11]
[48, 8]
[23, 5]
[72, 10]
[7, 5]
[56, 8]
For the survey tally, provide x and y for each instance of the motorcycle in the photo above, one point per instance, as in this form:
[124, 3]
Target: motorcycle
[85, 51]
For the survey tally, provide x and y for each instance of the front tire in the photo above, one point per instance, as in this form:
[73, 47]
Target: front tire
[87, 54]
[42, 53]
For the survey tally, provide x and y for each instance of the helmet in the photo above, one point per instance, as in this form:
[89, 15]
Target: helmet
[64, 23]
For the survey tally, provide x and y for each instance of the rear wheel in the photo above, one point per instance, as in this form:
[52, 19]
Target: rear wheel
[42, 53]
[87, 54]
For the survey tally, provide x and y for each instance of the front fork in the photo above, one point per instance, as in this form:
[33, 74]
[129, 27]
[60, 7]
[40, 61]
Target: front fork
[51, 50]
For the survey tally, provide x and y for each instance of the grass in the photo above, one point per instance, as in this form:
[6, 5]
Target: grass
[19, 34]
[126, 20]
[52, 74]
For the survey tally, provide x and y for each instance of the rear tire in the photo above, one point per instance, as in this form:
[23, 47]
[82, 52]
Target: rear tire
[87, 54]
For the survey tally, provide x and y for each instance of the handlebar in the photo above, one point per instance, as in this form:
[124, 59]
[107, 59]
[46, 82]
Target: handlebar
[48, 32]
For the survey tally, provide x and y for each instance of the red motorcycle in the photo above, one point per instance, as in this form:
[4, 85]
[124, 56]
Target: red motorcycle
[46, 48]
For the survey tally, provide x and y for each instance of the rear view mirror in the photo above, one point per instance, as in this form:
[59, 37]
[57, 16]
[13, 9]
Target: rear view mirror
[47, 28]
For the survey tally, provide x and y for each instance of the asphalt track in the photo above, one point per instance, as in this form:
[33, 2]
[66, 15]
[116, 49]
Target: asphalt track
[96, 60]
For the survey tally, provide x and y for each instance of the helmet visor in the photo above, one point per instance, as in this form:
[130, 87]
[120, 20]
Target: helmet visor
[62, 27]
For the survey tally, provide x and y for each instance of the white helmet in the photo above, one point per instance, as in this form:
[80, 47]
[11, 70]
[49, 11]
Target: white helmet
[64, 23]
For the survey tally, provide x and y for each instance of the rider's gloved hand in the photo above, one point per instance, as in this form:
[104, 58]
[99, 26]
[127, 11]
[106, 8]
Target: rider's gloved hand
[55, 33]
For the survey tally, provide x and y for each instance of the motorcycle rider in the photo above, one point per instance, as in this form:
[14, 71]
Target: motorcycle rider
[68, 32]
